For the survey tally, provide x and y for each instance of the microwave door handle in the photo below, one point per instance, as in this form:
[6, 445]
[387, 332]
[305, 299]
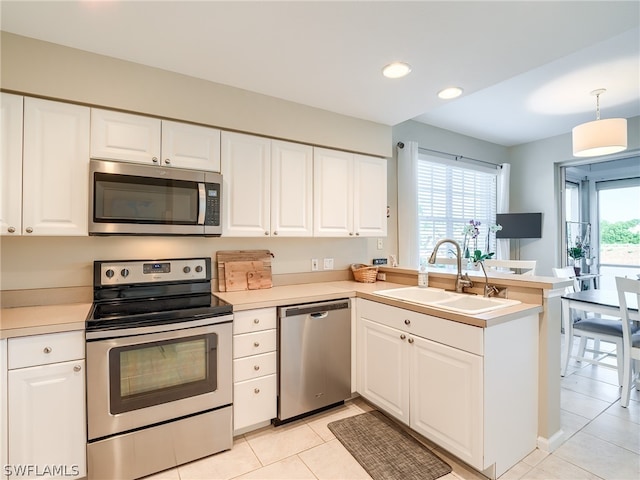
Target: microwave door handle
[202, 203]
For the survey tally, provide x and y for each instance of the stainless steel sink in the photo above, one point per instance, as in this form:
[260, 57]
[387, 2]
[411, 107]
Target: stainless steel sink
[455, 302]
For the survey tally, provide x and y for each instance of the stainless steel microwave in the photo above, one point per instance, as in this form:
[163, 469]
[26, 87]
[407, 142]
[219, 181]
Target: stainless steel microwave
[137, 199]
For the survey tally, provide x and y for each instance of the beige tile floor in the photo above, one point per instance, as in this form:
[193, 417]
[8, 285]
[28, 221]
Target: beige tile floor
[601, 441]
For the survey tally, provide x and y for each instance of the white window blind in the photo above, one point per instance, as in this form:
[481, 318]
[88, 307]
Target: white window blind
[448, 197]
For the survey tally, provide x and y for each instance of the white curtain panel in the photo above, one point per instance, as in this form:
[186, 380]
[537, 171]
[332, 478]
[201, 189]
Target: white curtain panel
[503, 244]
[408, 252]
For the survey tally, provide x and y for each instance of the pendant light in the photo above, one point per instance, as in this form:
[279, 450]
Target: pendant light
[600, 137]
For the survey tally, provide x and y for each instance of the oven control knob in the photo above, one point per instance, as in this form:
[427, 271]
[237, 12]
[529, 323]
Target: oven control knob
[199, 268]
[124, 272]
[186, 269]
[109, 273]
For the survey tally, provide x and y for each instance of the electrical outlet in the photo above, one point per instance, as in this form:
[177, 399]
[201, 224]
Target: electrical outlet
[328, 263]
[380, 244]
[314, 264]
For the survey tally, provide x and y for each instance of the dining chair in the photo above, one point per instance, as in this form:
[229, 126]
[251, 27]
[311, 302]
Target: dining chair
[586, 327]
[630, 337]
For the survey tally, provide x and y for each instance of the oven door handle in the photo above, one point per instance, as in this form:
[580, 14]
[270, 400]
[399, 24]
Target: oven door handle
[127, 332]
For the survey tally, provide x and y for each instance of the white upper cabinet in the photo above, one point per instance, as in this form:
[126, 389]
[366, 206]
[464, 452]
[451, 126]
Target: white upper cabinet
[190, 146]
[11, 164]
[136, 138]
[55, 168]
[350, 194]
[126, 137]
[291, 189]
[268, 187]
[370, 196]
[246, 188]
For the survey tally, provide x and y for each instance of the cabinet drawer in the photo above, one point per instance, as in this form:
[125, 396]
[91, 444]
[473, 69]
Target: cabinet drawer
[254, 320]
[254, 366]
[45, 349]
[254, 343]
[254, 401]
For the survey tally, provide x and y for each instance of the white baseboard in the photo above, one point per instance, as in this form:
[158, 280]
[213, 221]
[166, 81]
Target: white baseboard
[550, 444]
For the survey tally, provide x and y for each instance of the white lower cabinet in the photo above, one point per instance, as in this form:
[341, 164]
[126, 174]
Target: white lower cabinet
[254, 369]
[46, 406]
[470, 390]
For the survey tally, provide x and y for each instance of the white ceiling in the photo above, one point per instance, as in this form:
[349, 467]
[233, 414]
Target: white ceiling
[527, 68]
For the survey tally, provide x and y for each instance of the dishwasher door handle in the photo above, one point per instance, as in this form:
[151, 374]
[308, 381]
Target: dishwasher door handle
[319, 315]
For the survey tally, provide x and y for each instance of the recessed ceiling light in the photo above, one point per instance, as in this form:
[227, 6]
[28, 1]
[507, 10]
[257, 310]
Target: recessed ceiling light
[396, 70]
[449, 93]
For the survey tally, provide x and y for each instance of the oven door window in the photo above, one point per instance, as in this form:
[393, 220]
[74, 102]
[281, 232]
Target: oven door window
[129, 199]
[164, 371]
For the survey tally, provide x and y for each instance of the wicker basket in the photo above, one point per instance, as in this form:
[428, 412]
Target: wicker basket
[364, 273]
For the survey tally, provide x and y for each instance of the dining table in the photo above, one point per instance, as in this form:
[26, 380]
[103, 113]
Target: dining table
[604, 302]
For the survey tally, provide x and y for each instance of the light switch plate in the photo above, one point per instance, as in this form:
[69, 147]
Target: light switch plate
[328, 263]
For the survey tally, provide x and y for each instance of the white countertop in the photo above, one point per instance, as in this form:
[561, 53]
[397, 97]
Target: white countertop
[22, 321]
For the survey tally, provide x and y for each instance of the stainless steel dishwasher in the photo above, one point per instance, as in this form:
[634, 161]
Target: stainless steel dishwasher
[314, 357]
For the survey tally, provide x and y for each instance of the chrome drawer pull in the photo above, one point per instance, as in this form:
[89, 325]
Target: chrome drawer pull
[256, 390]
[407, 322]
[256, 344]
[403, 336]
[411, 340]
[256, 367]
[256, 320]
[47, 349]
[77, 368]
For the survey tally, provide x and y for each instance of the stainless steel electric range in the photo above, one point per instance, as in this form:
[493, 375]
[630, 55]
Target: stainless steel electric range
[159, 367]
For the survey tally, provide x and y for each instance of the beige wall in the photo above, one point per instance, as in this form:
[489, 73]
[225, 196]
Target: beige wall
[43, 69]
[39, 68]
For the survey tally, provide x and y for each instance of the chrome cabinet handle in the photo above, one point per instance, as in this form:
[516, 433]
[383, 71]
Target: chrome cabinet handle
[167, 161]
[77, 368]
[275, 233]
[29, 230]
[256, 320]
[11, 229]
[357, 234]
[407, 322]
[256, 390]
[256, 344]
[351, 234]
[256, 367]
[154, 159]
[403, 336]
[266, 233]
[47, 349]
[410, 340]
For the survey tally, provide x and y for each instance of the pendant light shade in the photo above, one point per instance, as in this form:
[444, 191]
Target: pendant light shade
[600, 137]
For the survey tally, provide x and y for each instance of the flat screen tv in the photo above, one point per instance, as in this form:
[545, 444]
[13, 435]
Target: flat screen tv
[519, 225]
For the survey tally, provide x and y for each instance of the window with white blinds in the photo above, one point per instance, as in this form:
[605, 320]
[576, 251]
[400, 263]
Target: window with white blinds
[448, 197]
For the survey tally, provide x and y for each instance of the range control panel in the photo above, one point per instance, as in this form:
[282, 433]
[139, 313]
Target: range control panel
[150, 271]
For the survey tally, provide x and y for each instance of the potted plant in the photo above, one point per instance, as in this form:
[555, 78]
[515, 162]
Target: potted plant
[576, 252]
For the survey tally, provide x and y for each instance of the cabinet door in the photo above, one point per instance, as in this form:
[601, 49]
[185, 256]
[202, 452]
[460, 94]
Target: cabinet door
[254, 401]
[333, 193]
[246, 173]
[47, 423]
[11, 165]
[370, 196]
[55, 168]
[190, 146]
[383, 368]
[446, 398]
[125, 137]
[291, 189]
